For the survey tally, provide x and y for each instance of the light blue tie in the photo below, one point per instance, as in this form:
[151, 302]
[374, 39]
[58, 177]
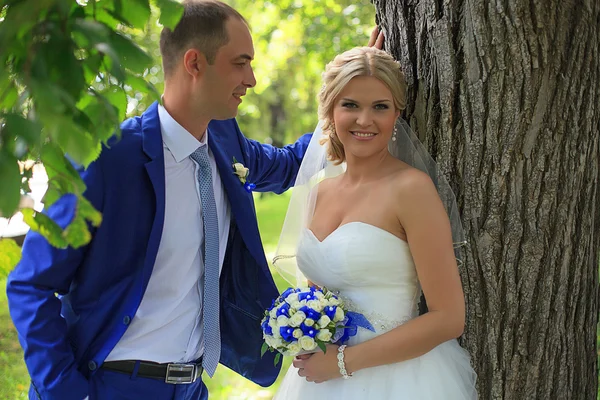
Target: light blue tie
[212, 332]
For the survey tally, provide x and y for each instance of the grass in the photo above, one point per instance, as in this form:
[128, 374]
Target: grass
[226, 384]
[14, 380]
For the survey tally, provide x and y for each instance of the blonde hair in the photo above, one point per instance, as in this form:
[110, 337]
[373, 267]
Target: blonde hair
[359, 61]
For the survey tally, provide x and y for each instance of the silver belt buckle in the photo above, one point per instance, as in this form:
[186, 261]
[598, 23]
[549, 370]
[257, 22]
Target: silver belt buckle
[181, 374]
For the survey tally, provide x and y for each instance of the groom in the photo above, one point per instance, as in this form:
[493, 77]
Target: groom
[175, 279]
[140, 311]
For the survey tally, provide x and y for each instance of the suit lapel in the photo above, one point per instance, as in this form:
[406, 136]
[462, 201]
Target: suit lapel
[241, 202]
[152, 146]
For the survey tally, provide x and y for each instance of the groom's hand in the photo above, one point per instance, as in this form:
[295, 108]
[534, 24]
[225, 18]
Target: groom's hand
[376, 39]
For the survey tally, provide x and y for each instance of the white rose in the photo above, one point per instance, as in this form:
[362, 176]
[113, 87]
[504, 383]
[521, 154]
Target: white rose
[307, 343]
[273, 324]
[298, 333]
[339, 315]
[274, 342]
[240, 170]
[276, 332]
[324, 321]
[319, 295]
[334, 302]
[309, 322]
[297, 319]
[324, 303]
[315, 305]
[292, 297]
[296, 304]
[293, 348]
[282, 320]
[273, 313]
[324, 335]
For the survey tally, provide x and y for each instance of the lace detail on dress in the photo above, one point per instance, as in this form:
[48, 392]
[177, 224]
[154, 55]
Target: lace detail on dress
[381, 323]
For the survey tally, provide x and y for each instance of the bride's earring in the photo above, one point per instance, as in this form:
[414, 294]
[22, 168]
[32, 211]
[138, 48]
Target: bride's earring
[395, 133]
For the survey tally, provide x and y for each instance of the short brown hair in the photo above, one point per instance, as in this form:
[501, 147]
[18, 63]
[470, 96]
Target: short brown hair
[359, 61]
[202, 27]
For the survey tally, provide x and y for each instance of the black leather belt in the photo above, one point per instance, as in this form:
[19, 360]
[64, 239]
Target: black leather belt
[170, 373]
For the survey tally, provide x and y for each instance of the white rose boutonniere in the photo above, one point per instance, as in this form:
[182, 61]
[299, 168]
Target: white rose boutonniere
[242, 172]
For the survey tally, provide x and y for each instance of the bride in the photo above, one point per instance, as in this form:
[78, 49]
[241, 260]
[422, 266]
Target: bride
[371, 219]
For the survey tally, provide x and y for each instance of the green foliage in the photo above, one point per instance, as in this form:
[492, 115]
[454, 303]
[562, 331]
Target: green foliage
[10, 253]
[69, 70]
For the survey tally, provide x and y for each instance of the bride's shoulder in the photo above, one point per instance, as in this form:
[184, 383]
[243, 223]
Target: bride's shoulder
[327, 185]
[410, 181]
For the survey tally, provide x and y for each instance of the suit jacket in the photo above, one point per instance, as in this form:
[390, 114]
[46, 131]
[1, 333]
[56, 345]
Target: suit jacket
[100, 286]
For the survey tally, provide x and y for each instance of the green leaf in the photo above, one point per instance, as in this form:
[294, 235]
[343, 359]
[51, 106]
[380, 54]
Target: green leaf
[8, 91]
[277, 358]
[62, 176]
[81, 146]
[94, 32]
[136, 12]
[102, 115]
[264, 349]
[170, 13]
[10, 254]
[10, 177]
[87, 211]
[141, 85]
[77, 233]
[106, 16]
[114, 101]
[17, 126]
[131, 55]
[45, 226]
[115, 60]
[322, 346]
[92, 65]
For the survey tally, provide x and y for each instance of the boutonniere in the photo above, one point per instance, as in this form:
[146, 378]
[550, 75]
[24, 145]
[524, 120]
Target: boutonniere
[242, 173]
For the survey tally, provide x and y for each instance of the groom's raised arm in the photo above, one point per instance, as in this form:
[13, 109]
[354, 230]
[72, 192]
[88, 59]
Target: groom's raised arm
[273, 169]
[43, 272]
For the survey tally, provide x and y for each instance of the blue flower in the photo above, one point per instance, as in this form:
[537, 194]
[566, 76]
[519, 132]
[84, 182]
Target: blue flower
[266, 328]
[308, 330]
[287, 293]
[310, 313]
[310, 295]
[287, 333]
[284, 309]
[249, 187]
[330, 311]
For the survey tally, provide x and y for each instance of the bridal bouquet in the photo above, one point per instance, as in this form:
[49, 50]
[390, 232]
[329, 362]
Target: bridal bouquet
[302, 320]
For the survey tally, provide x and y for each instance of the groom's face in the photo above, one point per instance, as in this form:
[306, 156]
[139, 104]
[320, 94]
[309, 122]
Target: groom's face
[231, 75]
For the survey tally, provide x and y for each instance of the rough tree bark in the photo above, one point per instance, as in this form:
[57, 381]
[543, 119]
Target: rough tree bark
[506, 95]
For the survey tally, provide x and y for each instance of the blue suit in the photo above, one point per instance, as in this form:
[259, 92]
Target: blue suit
[101, 285]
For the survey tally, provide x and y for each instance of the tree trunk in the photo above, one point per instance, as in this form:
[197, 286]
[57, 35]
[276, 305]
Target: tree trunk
[506, 96]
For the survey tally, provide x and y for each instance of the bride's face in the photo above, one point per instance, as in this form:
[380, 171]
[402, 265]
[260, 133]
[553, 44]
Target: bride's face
[364, 116]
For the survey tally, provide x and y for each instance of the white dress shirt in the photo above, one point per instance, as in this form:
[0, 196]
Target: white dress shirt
[167, 326]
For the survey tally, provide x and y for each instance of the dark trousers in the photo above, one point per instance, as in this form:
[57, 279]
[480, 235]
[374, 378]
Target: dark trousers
[111, 385]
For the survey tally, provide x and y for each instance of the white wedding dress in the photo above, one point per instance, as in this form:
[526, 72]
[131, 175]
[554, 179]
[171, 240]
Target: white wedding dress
[375, 274]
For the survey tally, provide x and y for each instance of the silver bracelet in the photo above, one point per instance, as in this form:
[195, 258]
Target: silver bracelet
[341, 362]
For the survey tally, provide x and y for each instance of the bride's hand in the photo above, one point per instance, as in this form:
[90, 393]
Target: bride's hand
[376, 39]
[319, 367]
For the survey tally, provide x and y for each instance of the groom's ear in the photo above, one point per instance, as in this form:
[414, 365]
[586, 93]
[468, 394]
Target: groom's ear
[194, 63]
